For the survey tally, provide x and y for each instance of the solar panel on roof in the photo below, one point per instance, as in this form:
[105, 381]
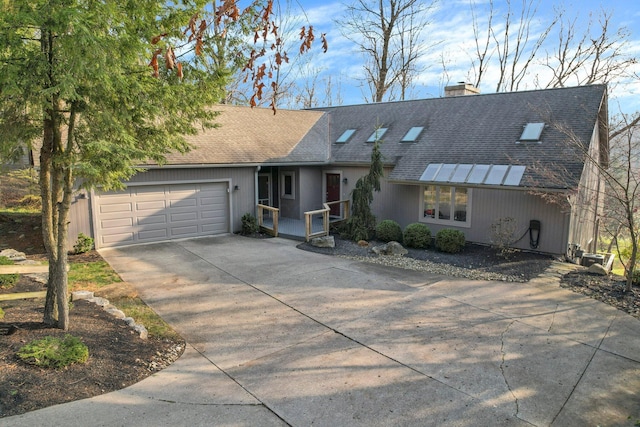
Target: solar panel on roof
[445, 172]
[461, 173]
[477, 174]
[496, 175]
[514, 176]
[430, 172]
[510, 175]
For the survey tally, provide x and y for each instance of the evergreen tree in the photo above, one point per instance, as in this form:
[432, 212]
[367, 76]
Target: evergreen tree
[361, 224]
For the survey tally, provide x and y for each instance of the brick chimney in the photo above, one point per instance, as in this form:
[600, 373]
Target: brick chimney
[461, 89]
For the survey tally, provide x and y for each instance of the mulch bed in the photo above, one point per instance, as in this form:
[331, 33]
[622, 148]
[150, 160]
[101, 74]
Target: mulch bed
[117, 357]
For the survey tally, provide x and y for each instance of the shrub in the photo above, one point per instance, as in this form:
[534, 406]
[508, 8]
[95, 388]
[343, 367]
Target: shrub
[389, 230]
[83, 244]
[503, 232]
[417, 235]
[451, 241]
[7, 280]
[51, 352]
[249, 224]
[1, 313]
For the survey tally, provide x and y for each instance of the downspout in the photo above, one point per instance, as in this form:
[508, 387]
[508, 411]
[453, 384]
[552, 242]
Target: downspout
[255, 190]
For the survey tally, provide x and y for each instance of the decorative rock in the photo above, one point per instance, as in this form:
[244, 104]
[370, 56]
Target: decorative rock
[102, 302]
[13, 255]
[323, 242]
[597, 269]
[141, 331]
[363, 243]
[79, 295]
[391, 248]
[115, 312]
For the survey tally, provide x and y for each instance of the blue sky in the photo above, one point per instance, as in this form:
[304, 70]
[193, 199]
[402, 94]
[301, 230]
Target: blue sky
[342, 64]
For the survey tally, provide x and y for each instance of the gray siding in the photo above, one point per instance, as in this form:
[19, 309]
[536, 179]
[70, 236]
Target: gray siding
[588, 203]
[310, 189]
[402, 204]
[242, 199]
[80, 218]
[491, 205]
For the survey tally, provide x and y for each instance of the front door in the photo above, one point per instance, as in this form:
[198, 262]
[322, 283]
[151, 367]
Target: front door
[333, 192]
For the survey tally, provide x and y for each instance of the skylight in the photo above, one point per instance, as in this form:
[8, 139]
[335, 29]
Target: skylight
[345, 136]
[532, 132]
[377, 135]
[413, 134]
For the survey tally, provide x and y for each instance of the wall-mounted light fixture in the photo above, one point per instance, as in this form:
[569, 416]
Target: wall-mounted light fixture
[345, 181]
[236, 188]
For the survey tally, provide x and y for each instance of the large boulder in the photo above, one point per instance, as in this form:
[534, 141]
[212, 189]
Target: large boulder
[597, 269]
[323, 242]
[13, 255]
[391, 248]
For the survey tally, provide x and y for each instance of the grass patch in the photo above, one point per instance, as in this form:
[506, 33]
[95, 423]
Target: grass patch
[93, 275]
[98, 276]
[21, 210]
[7, 281]
[142, 313]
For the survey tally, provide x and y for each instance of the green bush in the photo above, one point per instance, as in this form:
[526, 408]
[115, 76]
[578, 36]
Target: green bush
[7, 280]
[417, 235]
[83, 244]
[1, 313]
[451, 241]
[249, 224]
[51, 352]
[388, 230]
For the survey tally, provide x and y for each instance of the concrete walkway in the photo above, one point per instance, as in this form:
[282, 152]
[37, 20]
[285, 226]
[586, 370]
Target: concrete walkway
[279, 336]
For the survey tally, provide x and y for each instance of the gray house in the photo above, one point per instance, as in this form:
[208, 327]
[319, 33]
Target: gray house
[463, 161]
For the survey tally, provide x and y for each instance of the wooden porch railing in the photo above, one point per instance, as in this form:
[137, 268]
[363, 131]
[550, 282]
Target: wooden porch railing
[274, 212]
[308, 218]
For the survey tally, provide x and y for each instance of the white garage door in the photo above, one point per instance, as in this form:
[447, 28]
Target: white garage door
[142, 214]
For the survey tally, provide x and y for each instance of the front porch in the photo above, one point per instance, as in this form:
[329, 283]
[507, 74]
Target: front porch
[315, 224]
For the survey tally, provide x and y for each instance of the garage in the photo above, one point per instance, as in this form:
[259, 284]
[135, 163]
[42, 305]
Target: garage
[152, 213]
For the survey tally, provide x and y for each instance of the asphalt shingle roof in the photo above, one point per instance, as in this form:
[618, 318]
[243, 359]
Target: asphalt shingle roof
[473, 129]
[257, 136]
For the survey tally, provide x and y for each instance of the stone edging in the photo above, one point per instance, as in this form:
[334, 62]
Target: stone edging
[111, 309]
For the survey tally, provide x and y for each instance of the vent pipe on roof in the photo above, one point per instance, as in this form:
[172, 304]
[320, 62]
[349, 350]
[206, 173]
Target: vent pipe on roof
[461, 89]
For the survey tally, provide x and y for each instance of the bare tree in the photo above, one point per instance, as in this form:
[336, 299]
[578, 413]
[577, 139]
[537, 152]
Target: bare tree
[524, 51]
[618, 188]
[623, 191]
[512, 44]
[595, 56]
[391, 36]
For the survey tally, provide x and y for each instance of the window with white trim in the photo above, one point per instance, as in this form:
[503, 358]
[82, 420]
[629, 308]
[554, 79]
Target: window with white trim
[288, 183]
[444, 204]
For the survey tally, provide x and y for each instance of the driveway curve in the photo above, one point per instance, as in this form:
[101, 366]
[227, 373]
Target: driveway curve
[279, 336]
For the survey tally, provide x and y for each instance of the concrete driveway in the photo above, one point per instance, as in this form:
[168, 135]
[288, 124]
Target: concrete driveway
[279, 336]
